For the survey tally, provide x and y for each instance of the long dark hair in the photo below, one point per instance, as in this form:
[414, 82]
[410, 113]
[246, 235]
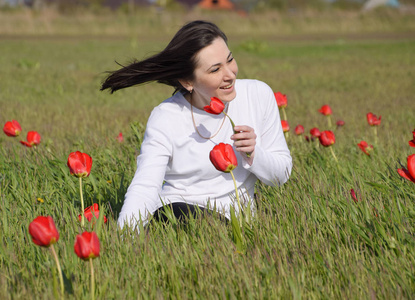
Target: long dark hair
[176, 61]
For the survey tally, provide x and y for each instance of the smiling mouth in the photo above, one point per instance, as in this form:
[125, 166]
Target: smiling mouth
[227, 87]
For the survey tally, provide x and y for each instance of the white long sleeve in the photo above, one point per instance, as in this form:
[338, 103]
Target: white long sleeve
[174, 152]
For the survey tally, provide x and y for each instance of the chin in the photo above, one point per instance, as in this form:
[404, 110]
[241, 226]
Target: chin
[228, 98]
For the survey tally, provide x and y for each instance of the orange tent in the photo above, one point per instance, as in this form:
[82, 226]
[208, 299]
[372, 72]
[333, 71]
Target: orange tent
[216, 4]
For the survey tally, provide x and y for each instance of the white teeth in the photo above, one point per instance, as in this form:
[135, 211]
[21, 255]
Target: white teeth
[227, 87]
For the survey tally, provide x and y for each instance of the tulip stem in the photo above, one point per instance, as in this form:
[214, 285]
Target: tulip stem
[332, 152]
[237, 198]
[82, 202]
[329, 121]
[233, 126]
[232, 123]
[284, 114]
[376, 134]
[55, 256]
[92, 280]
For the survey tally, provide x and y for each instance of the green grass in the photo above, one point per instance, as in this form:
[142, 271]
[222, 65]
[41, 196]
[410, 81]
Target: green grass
[309, 240]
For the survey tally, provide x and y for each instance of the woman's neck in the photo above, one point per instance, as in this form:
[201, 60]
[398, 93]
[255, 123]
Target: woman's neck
[195, 101]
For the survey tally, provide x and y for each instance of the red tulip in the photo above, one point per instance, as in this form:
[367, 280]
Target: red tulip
[120, 138]
[281, 99]
[87, 245]
[43, 231]
[412, 142]
[315, 132]
[79, 164]
[353, 194]
[410, 172]
[373, 119]
[299, 129]
[12, 128]
[327, 138]
[366, 148]
[325, 110]
[340, 123]
[309, 139]
[92, 212]
[216, 106]
[223, 157]
[285, 126]
[33, 139]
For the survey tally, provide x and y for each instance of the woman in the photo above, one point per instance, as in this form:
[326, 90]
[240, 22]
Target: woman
[180, 134]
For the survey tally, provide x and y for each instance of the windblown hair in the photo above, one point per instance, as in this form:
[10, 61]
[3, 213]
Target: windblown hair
[176, 62]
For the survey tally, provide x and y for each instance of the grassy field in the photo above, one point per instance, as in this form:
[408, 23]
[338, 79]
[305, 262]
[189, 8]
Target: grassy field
[310, 240]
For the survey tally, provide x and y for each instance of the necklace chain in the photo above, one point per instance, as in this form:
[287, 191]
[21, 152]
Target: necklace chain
[194, 123]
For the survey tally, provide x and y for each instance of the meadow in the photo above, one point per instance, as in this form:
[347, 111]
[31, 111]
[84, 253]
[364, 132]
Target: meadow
[309, 239]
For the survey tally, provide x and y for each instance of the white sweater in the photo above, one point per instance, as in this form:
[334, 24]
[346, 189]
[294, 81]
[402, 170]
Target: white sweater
[173, 152]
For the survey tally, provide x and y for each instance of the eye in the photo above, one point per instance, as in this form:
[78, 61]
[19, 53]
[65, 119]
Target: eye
[214, 70]
[230, 60]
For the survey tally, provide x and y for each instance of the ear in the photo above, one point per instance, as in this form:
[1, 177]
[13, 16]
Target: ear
[187, 84]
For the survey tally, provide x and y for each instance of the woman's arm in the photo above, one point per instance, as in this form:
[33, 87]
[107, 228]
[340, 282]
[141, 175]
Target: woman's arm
[142, 197]
[270, 160]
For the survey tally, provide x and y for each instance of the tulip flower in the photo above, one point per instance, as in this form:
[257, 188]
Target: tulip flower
[120, 138]
[33, 139]
[44, 233]
[340, 123]
[353, 194]
[410, 172]
[327, 139]
[87, 245]
[373, 121]
[92, 212]
[87, 248]
[217, 107]
[224, 159]
[309, 139]
[326, 110]
[281, 102]
[80, 166]
[285, 125]
[12, 128]
[365, 147]
[315, 132]
[412, 142]
[299, 130]
[281, 99]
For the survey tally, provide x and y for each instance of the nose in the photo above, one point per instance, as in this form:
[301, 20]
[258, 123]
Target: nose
[230, 72]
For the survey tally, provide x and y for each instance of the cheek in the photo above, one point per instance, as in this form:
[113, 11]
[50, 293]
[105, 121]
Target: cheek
[235, 68]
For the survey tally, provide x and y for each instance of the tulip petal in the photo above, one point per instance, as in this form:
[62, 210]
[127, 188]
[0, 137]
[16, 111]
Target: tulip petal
[411, 165]
[405, 174]
[26, 144]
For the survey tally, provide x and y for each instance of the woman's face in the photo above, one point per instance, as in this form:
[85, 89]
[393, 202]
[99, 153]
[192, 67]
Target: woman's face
[215, 74]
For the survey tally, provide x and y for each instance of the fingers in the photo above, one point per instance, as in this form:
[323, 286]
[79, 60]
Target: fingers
[243, 133]
[245, 139]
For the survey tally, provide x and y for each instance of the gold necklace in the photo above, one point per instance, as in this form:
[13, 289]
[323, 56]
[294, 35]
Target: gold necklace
[194, 123]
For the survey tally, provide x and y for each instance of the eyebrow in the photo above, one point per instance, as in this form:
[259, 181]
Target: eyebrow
[218, 64]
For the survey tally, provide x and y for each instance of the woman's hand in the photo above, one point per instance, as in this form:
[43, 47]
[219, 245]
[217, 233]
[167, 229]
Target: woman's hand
[245, 141]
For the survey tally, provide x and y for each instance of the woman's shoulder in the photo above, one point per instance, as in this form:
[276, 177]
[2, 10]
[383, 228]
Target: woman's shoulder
[168, 112]
[171, 106]
[251, 85]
